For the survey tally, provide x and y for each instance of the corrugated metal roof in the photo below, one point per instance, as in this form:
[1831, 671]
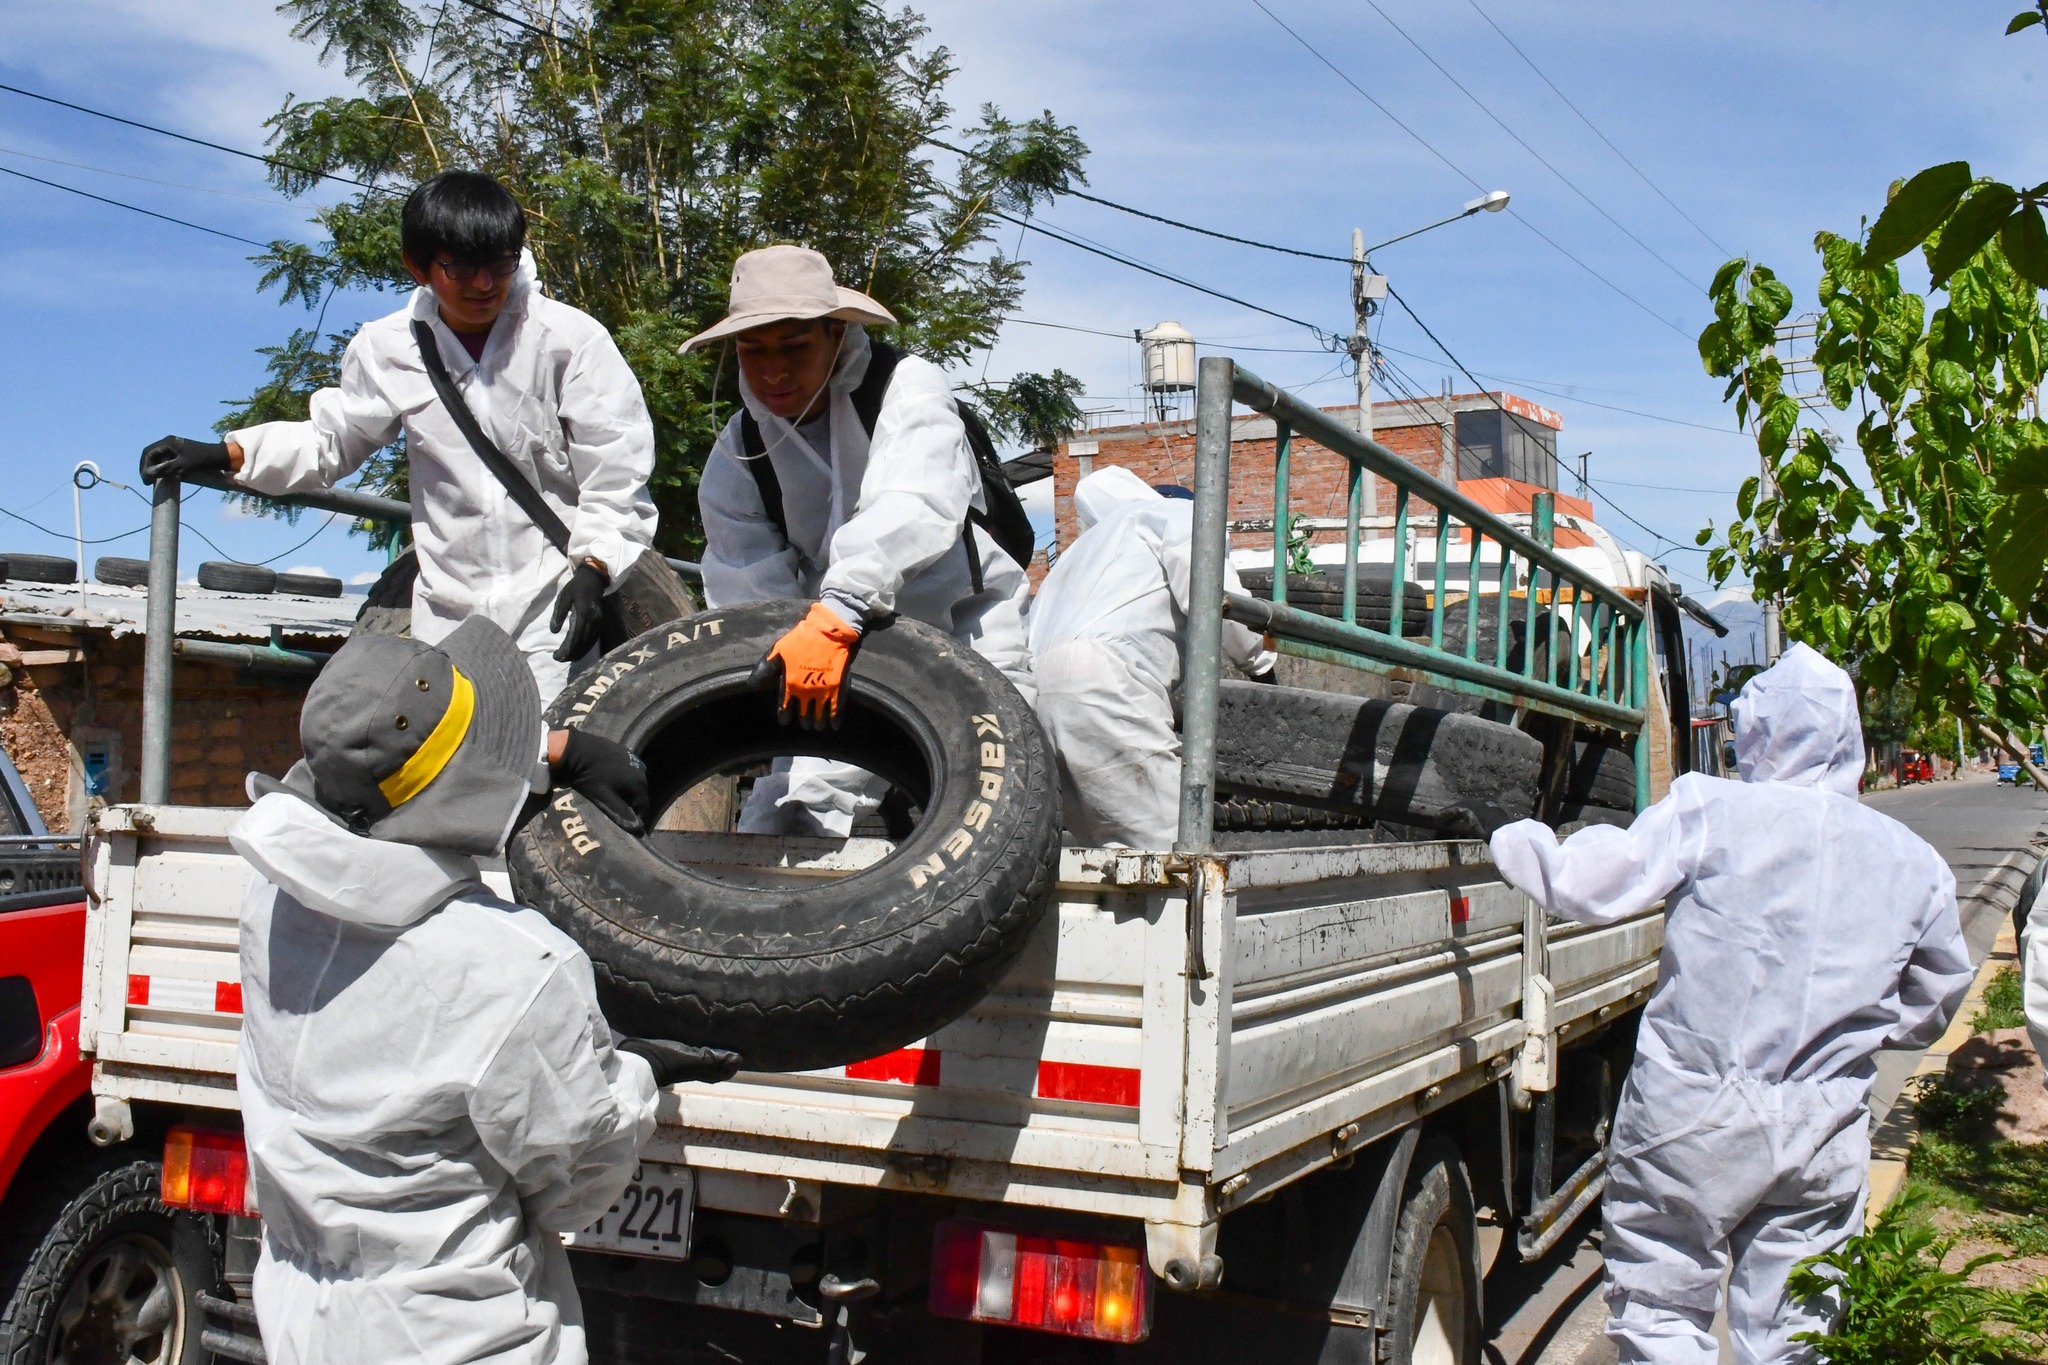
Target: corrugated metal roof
[201, 611]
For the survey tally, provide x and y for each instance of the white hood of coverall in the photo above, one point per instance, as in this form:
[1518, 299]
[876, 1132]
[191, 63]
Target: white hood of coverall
[1804, 932]
[552, 392]
[429, 1095]
[1106, 648]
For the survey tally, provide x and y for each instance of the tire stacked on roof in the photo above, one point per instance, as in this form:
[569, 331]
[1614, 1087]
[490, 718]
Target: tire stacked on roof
[27, 568]
[220, 575]
[308, 585]
[116, 571]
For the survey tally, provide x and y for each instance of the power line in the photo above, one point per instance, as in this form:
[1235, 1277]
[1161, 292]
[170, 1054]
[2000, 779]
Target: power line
[133, 208]
[1516, 417]
[1552, 242]
[1524, 144]
[147, 180]
[1530, 63]
[1124, 260]
[187, 137]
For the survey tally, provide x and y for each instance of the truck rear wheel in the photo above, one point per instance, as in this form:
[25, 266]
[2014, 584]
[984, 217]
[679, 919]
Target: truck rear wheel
[1433, 1304]
[117, 1278]
[800, 972]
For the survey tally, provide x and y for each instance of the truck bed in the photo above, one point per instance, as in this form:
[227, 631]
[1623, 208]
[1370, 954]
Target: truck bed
[1183, 1033]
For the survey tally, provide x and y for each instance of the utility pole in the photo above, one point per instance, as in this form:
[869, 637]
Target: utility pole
[1367, 289]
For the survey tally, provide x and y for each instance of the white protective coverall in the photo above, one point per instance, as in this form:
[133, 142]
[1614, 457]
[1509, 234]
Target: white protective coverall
[1106, 655]
[869, 535]
[552, 392]
[429, 1095]
[1805, 931]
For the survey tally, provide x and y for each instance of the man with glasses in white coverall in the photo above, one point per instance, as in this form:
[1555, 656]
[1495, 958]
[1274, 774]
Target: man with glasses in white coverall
[1804, 932]
[1106, 656]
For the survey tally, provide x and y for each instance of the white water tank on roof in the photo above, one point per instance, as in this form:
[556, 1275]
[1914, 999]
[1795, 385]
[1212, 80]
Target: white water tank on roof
[1169, 358]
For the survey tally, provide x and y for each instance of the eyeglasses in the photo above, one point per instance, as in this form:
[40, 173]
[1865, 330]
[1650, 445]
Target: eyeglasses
[462, 272]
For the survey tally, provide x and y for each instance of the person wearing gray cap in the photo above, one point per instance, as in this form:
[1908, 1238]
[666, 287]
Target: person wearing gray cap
[864, 498]
[429, 1092]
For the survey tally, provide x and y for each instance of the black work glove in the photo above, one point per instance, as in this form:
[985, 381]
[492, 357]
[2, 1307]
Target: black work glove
[177, 456]
[609, 774]
[581, 604]
[674, 1062]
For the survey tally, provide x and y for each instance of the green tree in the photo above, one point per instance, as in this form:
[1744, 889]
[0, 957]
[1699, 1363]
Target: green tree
[1929, 576]
[653, 141]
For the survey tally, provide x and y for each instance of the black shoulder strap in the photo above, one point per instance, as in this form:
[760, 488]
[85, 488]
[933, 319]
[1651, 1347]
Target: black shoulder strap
[516, 483]
[754, 447]
[867, 399]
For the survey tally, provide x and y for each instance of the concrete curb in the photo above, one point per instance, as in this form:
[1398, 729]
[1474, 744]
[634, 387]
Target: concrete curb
[1893, 1138]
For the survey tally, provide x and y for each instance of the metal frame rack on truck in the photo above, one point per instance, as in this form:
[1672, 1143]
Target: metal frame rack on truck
[1225, 1101]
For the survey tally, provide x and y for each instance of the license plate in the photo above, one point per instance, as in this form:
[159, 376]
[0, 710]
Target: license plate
[651, 1218]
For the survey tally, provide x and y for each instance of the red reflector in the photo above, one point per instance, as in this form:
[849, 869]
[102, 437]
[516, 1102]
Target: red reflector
[227, 997]
[1461, 909]
[1090, 1084]
[906, 1065]
[1096, 1290]
[138, 989]
[206, 1172]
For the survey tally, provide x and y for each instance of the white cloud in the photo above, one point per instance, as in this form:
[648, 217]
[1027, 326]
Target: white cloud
[309, 568]
[363, 580]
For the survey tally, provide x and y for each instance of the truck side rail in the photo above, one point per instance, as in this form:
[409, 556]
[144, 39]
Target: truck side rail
[1607, 685]
[161, 643]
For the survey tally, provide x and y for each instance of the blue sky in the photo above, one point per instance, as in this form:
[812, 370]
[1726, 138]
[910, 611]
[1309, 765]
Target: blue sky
[1763, 122]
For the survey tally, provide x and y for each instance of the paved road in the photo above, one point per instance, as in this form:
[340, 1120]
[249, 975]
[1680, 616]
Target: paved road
[1551, 1314]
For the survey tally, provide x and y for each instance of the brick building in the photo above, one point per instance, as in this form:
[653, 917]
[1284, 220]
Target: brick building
[71, 692]
[1456, 438]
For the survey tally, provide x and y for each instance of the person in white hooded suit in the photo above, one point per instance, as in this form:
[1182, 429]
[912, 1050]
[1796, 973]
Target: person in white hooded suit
[869, 524]
[1106, 656]
[429, 1093]
[1804, 932]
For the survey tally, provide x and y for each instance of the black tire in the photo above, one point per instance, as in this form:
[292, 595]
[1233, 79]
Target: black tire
[119, 572]
[837, 971]
[26, 568]
[308, 585]
[133, 1264]
[1322, 592]
[1577, 815]
[387, 607]
[1603, 774]
[1411, 765]
[222, 575]
[1433, 1282]
[1249, 813]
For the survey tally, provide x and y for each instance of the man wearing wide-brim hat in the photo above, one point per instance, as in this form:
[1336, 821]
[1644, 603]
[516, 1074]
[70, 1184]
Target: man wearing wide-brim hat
[852, 495]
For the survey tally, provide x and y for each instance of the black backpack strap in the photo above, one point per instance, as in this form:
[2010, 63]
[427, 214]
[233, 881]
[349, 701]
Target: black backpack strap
[517, 485]
[754, 449]
[867, 398]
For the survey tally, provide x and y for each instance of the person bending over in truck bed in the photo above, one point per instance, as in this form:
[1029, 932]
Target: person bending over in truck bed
[1804, 932]
[846, 479]
[546, 385]
[1106, 655]
[428, 1090]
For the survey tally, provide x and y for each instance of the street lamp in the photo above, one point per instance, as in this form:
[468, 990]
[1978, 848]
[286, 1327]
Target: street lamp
[1367, 289]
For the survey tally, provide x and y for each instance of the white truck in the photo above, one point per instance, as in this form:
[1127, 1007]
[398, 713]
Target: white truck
[1246, 1103]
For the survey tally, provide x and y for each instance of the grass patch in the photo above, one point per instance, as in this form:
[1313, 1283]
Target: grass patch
[2004, 996]
[1898, 1305]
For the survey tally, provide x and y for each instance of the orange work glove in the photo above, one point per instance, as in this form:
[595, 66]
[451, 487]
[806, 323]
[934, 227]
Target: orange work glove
[812, 659]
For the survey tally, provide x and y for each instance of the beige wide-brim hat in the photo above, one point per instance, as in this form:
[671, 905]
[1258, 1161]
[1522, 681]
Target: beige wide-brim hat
[786, 284]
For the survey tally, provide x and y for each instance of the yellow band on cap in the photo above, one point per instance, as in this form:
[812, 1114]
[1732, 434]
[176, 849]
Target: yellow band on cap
[431, 757]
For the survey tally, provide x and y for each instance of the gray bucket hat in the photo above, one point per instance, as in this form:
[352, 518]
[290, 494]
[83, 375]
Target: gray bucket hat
[786, 284]
[434, 745]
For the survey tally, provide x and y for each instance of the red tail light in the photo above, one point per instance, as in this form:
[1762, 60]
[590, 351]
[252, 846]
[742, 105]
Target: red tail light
[1097, 1290]
[207, 1172]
